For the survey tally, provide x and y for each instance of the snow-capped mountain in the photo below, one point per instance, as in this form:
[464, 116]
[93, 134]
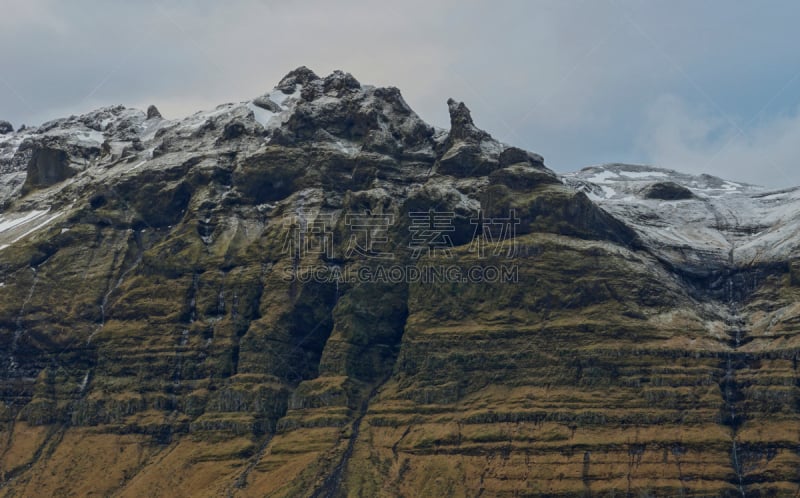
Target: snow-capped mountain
[174, 319]
[701, 223]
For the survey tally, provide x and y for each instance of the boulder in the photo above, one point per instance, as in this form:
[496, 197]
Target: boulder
[667, 191]
[234, 129]
[300, 76]
[153, 113]
[514, 155]
[264, 102]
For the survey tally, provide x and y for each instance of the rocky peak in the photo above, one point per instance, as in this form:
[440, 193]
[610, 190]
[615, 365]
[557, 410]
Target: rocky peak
[338, 110]
[300, 76]
[6, 127]
[461, 125]
[153, 113]
[468, 150]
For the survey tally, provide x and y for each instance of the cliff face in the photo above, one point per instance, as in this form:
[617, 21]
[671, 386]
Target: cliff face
[315, 293]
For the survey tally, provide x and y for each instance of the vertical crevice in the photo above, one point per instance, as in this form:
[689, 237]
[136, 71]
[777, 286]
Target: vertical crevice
[19, 323]
[332, 486]
[732, 415]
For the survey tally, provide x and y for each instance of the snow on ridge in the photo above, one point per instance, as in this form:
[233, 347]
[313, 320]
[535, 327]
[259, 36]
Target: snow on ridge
[603, 176]
[724, 217]
[198, 119]
[263, 116]
[14, 229]
[643, 174]
[8, 224]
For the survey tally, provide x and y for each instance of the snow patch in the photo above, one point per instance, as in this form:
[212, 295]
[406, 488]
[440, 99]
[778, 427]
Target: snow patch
[6, 225]
[643, 174]
[11, 227]
[725, 218]
[198, 119]
[92, 136]
[602, 176]
[137, 165]
[280, 98]
[262, 116]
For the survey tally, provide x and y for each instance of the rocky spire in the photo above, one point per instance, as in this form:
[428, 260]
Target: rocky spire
[154, 113]
[5, 127]
[461, 125]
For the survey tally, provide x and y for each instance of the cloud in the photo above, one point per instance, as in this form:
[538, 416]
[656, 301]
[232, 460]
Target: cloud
[16, 18]
[697, 139]
[580, 82]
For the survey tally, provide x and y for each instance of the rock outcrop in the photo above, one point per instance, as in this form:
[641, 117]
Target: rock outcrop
[667, 191]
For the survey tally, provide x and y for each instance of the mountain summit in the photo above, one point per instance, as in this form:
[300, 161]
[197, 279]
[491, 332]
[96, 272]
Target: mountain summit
[316, 293]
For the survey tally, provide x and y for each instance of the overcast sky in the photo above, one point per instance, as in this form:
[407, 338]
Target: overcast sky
[699, 86]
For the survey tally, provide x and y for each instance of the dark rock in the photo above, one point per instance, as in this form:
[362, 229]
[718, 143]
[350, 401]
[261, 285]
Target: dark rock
[461, 125]
[419, 133]
[97, 201]
[339, 83]
[349, 120]
[667, 191]
[161, 205]
[310, 92]
[522, 177]
[5, 127]
[464, 156]
[465, 160]
[232, 130]
[794, 272]
[271, 175]
[48, 166]
[514, 155]
[100, 119]
[53, 160]
[300, 76]
[264, 102]
[393, 96]
[153, 113]
[381, 142]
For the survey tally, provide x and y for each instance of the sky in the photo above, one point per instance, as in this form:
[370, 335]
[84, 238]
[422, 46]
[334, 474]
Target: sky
[700, 86]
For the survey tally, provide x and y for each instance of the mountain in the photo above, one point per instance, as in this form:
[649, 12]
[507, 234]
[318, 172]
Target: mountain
[315, 293]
